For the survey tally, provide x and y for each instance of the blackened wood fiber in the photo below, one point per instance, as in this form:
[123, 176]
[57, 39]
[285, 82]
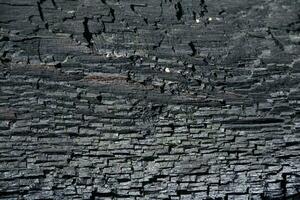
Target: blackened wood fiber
[150, 99]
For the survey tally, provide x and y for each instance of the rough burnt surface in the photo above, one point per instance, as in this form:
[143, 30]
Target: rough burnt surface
[150, 99]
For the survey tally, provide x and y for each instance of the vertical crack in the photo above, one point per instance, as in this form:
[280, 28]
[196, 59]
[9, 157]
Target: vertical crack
[179, 11]
[161, 8]
[40, 10]
[112, 13]
[54, 4]
[41, 13]
[87, 34]
[194, 51]
[283, 185]
[203, 8]
[38, 50]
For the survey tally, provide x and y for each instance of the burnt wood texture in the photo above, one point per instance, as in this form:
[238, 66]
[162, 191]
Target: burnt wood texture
[150, 99]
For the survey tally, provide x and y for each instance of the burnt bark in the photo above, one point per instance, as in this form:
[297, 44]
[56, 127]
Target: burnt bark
[156, 99]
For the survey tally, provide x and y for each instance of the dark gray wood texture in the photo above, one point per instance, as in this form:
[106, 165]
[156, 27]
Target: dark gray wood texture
[150, 99]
